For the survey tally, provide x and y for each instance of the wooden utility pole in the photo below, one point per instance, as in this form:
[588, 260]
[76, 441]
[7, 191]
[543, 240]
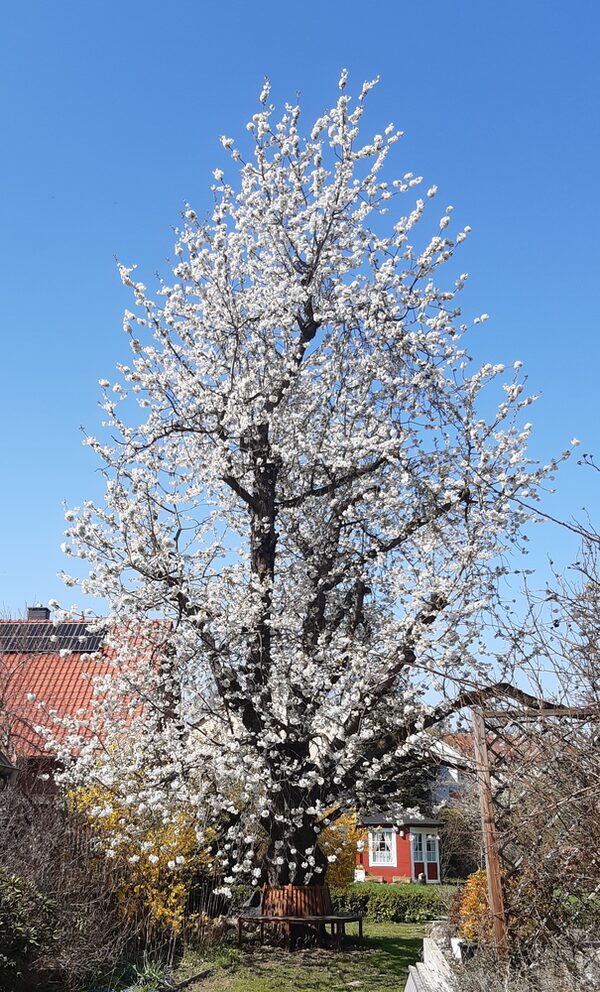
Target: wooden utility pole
[492, 859]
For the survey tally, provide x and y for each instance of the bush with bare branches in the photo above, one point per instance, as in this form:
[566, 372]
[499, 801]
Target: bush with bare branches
[59, 912]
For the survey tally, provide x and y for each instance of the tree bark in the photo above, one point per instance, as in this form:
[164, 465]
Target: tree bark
[287, 857]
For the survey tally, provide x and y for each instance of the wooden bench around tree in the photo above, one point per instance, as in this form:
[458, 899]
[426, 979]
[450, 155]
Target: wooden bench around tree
[296, 909]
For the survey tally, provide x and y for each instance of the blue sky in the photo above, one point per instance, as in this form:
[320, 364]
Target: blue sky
[110, 116]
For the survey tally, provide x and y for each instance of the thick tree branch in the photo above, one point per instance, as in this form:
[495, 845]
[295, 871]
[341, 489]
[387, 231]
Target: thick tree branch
[387, 743]
[330, 487]
[247, 497]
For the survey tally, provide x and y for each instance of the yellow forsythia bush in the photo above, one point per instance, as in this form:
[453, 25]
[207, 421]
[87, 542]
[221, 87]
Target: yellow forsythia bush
[474, 912]
[338, 840]
[160, 860]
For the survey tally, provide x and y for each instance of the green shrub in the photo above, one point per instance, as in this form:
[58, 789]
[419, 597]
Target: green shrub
[27, 920]
[396, 903]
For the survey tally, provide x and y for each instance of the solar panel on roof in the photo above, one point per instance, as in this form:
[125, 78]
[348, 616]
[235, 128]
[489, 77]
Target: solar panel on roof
[24, 637]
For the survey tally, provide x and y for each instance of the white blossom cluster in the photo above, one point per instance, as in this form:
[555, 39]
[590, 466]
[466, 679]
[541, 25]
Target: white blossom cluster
[307, 495]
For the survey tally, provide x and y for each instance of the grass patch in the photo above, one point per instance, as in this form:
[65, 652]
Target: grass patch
[380, 966]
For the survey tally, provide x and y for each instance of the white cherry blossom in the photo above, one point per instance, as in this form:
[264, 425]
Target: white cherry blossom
[306, 513]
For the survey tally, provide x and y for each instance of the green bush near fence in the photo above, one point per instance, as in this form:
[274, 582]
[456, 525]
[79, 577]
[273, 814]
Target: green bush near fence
[395, 903]
[27, 921]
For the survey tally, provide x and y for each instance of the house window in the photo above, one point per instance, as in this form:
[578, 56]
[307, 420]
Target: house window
[382, 848]
[432, 855]
[417, 843]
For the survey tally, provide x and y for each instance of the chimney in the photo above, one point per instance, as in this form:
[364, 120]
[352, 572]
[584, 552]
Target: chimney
[38, 612]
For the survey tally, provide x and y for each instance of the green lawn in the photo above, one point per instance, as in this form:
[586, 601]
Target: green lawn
[379, 966]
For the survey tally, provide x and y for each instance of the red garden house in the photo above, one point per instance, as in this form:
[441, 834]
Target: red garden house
[400, 848]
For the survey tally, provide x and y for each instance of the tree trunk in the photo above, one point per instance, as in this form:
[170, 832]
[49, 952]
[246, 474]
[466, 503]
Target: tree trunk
[292, 858]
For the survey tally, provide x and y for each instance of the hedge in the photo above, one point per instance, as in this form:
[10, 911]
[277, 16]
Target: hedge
[395, 903]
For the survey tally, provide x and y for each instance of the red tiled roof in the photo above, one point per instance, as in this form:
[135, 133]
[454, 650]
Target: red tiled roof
[62, 683]
[509, 747]
[461, 742]
[55, 680]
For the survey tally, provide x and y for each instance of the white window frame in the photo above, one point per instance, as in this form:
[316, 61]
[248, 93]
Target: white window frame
[373, 855]
[436, 850]
[414, 836]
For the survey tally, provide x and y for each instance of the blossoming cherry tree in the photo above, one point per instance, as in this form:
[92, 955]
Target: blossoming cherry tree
[302, 486]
